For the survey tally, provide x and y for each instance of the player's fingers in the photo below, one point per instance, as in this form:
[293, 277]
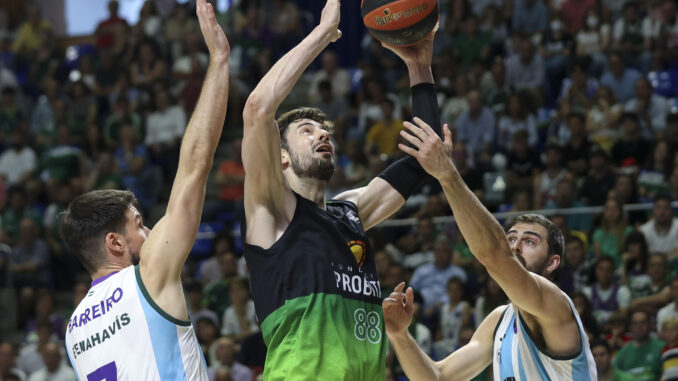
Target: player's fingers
[411, 138]
[399, 287]
[416, 130]
[410, 151]
[448, 135]
[424, 127]
[410, 297]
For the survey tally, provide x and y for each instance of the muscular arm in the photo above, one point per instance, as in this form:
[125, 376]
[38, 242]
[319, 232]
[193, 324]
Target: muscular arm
[487, 241]
[165, 251]
[380, 199]
[464, 364]
[268, 200]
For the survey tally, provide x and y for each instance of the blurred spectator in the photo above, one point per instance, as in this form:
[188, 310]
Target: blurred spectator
[133, 162]
[285, 21]
[104, 175]
[627, 34]
[661, 232]
[7, 362]
[122, 115]
[150, 20]
[637, 265]
[62, 162]
[418, 243]
[670, 311]
[110, 29]
[196, 308]
[225, 350]
[178, 25]
[217, 293]
[334, 107]
[30, 257]
[192, 51]
[55, 369]
[147, 67]
[575, 273]
[239, 319]
[546, 182]
[576, 150]
[574, 13]
[32, 34]
[18, 162]
[30, 359]
[606, 295]
[383, 136]
[493, 86]
[620, 78]
[608, 239]
[599, 180]
[578, 90]
[669, 334]
[556, 50]
[11, 116]
[653, 177]
[492, 297]
[43, 116]
[164, 129]
[642, 356]
[669, 30]
[431, 278]
[330, 71]
[529, 17]
[83, 110]
[454, 315]
[602, 117]
[475, 126]
[603, 358]
[525, 69]
[472, 43]
[565, 198]
[617, 331]
[458, 103]
[632, 148]
[650, 108]
[517, 118]
[207, 332]
[223, 374]
[16, 211]
[523, 163]
[585, 311]
[373, 97]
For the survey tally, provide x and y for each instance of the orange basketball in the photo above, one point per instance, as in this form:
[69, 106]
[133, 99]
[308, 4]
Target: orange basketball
[399, 22]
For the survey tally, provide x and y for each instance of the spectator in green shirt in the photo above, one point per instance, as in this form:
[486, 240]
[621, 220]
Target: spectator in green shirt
[641, 357]
[609, 238]
[603, 358]
[472, 43]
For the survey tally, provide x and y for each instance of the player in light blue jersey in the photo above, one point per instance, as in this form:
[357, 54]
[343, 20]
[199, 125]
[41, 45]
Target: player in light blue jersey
[133, 324]
[539, 335]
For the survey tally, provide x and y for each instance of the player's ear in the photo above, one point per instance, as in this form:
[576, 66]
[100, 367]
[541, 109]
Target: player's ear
[285, 157]
[115, 243]
[554, 263]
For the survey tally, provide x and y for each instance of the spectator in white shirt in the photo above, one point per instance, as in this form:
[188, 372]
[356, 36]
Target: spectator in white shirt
[55, 369]
[671, 309]
[650, 108]
[339, 78]
[661, 232]
[19, 161]
[164, 128]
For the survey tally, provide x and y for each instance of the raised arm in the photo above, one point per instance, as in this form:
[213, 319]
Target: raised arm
[165, 251]
[385, 194]
[486, 239]
[464, 364]
[268, 199]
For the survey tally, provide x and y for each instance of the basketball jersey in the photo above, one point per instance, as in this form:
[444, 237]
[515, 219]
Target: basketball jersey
[318, 299]
[517, 357]
[118, 332]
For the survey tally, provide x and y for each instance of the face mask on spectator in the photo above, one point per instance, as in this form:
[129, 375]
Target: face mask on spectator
[592, 21]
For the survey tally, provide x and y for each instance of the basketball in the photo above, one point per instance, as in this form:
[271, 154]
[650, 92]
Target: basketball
[399, 22]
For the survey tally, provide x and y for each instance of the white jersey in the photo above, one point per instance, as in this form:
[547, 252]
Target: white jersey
[117, 332]
[517, 357]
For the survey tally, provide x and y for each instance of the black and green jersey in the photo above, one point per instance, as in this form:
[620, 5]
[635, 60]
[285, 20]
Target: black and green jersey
[318, 298]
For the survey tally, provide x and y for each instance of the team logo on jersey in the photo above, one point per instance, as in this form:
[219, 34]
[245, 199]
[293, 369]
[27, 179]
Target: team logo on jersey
[359, 251]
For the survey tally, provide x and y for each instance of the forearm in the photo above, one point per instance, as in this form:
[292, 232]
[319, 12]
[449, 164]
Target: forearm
[416, 364]
[483, 234]
[279, 81]
[420, 73]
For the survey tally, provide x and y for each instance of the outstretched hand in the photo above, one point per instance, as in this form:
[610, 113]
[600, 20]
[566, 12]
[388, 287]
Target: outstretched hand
[398, 315]
[420, 53]
[214, 36]
[329, 19]
[434, 154]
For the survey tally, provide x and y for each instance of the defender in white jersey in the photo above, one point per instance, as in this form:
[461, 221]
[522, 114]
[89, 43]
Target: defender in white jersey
[133, 324]
[539, 335]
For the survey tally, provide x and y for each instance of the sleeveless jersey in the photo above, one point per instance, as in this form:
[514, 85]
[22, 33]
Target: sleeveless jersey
[318, 299]
[517, 357]
[117, 332]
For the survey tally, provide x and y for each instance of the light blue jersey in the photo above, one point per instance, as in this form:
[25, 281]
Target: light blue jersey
[517, 357]
[117, 332]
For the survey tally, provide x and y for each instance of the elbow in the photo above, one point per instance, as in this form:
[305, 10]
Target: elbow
[256, 108]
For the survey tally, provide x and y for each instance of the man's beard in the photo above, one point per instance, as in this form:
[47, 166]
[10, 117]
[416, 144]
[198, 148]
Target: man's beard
[134, 257]
[537, 269]
[313, 167]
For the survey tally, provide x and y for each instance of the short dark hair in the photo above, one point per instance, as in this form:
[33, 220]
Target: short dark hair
[89, 218]
[601, 343]
[662, 197]
[577, 115]
[289, 117]
[605, 258]
[554, 239]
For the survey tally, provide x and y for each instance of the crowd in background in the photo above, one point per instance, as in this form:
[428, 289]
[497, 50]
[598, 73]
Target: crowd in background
[553, 105]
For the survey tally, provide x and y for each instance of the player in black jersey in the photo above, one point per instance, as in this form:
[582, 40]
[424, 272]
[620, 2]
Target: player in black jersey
[314, 281]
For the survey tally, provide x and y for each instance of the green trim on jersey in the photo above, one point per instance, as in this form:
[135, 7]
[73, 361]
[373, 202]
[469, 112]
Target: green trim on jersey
[325, 337]
[151, 302]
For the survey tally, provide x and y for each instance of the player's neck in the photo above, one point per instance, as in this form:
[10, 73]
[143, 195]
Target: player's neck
[308, 188]
[106, 270]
